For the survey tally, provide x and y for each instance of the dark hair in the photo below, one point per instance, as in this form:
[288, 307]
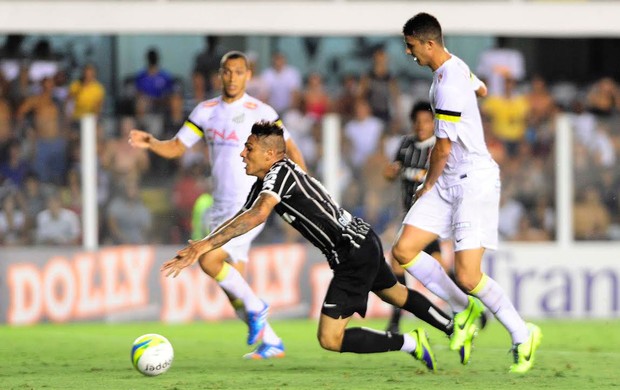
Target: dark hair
[424, 27]
[233, 55]
[419, 107]
[270, 134]
[264, 129]
[152, 57]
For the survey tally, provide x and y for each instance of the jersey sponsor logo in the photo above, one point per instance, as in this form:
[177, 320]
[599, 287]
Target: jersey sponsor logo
[216, 135]
[270, 178]
[250, 105]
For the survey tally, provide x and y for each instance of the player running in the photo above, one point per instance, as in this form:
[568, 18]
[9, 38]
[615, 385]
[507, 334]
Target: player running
[225, 123]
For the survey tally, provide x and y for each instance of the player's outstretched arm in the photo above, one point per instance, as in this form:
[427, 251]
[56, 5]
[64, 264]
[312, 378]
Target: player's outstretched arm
[172, 148]
[239, 225]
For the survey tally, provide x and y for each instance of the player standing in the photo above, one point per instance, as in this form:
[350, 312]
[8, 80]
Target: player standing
[459, 199]
[225, 123]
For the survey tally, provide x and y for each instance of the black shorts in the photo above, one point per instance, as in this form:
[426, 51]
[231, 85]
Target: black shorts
[365, 270]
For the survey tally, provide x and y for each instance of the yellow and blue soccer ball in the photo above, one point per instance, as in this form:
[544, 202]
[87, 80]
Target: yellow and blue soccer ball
[152, 354]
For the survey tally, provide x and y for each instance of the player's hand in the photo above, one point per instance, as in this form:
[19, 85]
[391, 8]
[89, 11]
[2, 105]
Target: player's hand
[184, 258]
[391, 171]
[421, 190]
[139, 139]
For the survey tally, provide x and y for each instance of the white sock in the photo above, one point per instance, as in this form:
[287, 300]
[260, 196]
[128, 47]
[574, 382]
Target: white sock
[409, 343]
[428, 271]
[269, 337]
[494, 298]
[233, 283]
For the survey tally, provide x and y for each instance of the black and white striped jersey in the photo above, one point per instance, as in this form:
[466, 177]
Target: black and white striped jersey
[305, 204]
[413, 156]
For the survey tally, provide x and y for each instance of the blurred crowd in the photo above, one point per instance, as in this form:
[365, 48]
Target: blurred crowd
[146, 199]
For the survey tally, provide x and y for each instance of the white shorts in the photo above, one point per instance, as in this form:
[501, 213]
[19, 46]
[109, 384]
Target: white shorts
[467, 212]
[238, 248]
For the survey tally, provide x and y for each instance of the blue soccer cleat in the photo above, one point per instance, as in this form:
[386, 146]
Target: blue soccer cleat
[266, 351]
[257, 320]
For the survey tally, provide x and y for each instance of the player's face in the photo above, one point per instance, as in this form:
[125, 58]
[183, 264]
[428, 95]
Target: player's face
[255, 158]
[424, 125]
[234, 74]
[416, 49]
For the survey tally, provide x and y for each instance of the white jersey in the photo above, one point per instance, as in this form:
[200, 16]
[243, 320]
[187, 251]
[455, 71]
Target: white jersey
[457, 117]
[226, 127]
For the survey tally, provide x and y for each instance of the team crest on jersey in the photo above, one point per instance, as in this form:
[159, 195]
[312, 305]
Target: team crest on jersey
[250, 105]
[210, 103]
[439, 77]
[239, 118]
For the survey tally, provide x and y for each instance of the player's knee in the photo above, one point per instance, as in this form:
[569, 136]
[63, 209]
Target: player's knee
[330, 342]
[466, 281]
[402, 254]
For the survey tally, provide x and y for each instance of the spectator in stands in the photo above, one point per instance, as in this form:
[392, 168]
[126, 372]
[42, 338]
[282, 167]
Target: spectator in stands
[20, 87]
[499, 63]
[71, 194]
[511, 211]
[347, 96]
[44, 62]
[363, 132]
[528, 231]
[120, 159]
[604, 97]
[57, 225]
[154, 83]
[508, 115]
[591, 220]
[47, 122]
[283, 82]
[87, 94]
[206, 65]
[11, 56]
[256, 86]
[16, 167]
[12, 222]
[129, 220]
[315, 99]
[6, 123]
[380, 88]
[542, 107]
[35, 196]
[189, 185]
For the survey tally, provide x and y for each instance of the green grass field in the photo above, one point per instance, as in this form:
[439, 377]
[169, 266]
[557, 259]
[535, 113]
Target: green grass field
[573, 355]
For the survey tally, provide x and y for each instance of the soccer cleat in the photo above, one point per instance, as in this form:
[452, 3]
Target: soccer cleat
[524, 353]
[423, 351]
[256, 324]
[266, 351]
[465, 330]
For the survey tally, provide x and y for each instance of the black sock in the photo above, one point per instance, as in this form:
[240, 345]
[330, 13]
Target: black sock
[421, 307]
[364, 340]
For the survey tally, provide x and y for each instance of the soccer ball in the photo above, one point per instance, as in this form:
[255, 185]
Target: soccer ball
[152, 354]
